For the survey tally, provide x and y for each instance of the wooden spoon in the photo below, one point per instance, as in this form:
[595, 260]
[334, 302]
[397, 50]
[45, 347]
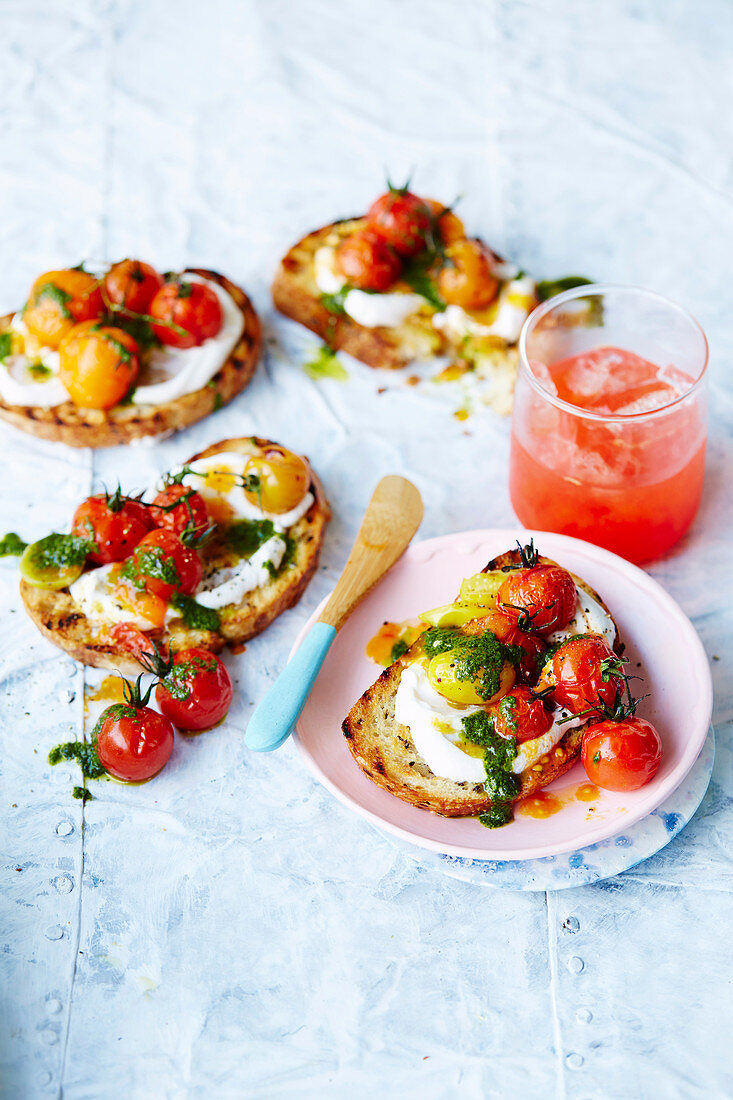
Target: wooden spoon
[391, 519]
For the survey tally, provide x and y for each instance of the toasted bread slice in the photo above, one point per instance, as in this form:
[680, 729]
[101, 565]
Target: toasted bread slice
[61, 621]
[384, 750]
[124, 423]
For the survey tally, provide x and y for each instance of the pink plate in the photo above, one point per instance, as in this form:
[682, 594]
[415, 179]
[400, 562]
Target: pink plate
[658, 637]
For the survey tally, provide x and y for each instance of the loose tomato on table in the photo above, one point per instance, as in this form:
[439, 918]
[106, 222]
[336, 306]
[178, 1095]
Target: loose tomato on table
[115, 524]
[58, 301]
[541, 598]
[98, 364]
[195, 691]
[133, 741]
[368, 261]
[276, 480]
[621, 754]
[162, 563]
[466, 280]
[180, 509]
[188, 313]
[132, 285]
[402, 219]
[587, 675]
[522, 715]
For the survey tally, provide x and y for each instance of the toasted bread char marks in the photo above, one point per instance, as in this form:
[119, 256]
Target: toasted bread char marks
[384, 750]
[97, 428]
[61, 622]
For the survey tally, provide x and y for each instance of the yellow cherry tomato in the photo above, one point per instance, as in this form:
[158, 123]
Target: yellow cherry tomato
[59, 300]
[53, 562]
[442, 675]
[450, 227]
[276, 481]
[98, 364]
[466, 279]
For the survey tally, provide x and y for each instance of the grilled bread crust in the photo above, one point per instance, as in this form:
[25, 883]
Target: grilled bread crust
[123, 423]
[384, 750]
[61, 621]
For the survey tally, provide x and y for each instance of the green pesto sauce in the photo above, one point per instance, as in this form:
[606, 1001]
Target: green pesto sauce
[326, 364]
[334, 303]
[6, 345]
[58, 551]
[85, 754]
[11, 545]
[398, 649]
[39, 371]
[195, 615]
[475, 657]
[247, 535]
[150, 563]
[82, 793]
[499, 755]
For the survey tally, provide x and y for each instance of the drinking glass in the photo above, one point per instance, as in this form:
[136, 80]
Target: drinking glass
[609, 422]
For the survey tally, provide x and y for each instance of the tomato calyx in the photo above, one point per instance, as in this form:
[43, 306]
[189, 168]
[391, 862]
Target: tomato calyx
[528, 556]
[525, 618]
[134, 699]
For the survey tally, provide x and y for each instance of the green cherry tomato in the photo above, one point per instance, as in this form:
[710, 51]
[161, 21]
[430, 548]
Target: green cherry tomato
[54, 562]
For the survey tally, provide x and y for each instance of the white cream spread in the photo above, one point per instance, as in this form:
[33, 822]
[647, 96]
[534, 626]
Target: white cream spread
[227, 586]
[94, 594]
[385, 310]
[171, 372]
[435, 728]
[515, 303]
[589, 618]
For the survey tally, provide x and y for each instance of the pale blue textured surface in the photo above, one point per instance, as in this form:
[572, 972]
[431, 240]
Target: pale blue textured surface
[230, 930]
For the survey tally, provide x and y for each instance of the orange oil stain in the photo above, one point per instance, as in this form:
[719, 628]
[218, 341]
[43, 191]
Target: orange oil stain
[379, 648]
[109, 691]
[540, 805]
[587, 792]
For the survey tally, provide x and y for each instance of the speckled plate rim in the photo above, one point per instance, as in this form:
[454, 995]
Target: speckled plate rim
[597, 862]
[645, 802]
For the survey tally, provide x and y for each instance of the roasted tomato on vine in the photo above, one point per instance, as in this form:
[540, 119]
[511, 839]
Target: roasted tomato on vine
[187, 313]
[539, 598]
[276, 480]
[133, 741]
[587, 675]
[163, 565]
[402, 219]
[98, 364]
[132, 285]
[507, 631]
[522, 715]
[466, 279]
[195, 691]
[621, 754]
[180, 509]
[114, 523]
[449, 228]
[59, 300]
[368, 261]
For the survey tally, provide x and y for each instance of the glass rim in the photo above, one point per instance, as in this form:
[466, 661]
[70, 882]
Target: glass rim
[587, 290]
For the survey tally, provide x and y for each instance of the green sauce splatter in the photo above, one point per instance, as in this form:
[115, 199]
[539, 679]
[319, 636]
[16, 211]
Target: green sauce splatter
[326, 364]
[195, 615]
[499, 754]
[11, 545]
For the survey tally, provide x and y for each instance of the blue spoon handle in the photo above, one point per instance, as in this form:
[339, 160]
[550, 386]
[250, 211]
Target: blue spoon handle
[274, 718]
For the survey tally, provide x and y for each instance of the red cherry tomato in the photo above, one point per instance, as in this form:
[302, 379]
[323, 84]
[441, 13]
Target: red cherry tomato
[519, 714]
[132, 284]
[621, 755]
[165, 565]
[367, 261]
[197, 692]
[114, 522]
[190, 312]
[402, 219]
[180, 509]
[585, 671]
[542, 598]
[132, 639]
[134, 742]
[507, 631]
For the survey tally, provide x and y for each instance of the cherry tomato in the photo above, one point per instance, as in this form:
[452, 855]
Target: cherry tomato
[180, 509]
[467, 279]
[621, 755]
[165, 565]
[578, 670]
[278, 480]
[367, 261]
[449, 227]
[520, 714]
[133, 741]
[59, 300]
[542, 598]
[132, 284]
[197, 692]
[114, 523]
[402, 219]
[132, 639]
[138, 601]
[191, 312]
[98, 364]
